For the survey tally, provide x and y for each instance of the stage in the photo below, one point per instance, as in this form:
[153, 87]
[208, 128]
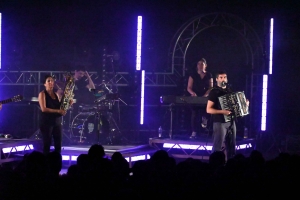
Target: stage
[199, 148]
[14, 149]
[179, 148]
[131, 153]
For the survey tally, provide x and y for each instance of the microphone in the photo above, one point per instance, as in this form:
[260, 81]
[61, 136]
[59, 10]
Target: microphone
[223, 84]
[92, 90]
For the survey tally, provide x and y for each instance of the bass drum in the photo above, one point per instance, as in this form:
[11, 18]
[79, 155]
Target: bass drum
[84, 128]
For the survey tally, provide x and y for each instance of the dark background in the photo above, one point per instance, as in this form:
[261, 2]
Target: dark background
[58, 35]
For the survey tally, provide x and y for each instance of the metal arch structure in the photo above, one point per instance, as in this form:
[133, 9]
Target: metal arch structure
[251, 44]
[188, 31]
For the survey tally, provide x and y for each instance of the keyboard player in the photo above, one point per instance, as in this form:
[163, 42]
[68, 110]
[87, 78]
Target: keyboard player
[200, 82]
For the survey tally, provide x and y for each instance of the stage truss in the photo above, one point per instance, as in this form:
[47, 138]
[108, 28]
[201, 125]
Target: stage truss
[119, 78]
[252, 46]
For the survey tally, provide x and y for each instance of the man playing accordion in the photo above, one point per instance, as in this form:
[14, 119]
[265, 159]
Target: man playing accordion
[224, 132]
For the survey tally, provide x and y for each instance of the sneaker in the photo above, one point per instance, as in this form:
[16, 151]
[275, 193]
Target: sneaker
[193, 136]
[204, 122]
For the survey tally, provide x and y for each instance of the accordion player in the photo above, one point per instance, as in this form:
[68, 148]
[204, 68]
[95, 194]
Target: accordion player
[236, 103]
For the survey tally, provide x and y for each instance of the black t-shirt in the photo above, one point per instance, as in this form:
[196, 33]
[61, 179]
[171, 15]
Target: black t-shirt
[82, 93]
[213, 96]
[200, 86]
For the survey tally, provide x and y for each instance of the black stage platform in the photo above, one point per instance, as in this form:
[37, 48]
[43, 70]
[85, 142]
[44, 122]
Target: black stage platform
[131, 153]
[15, 149]
[199, 148]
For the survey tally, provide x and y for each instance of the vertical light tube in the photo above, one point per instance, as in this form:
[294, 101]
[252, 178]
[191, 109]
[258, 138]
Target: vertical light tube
[142, 96]
[271, 47]
[264, 103]
[0, 40]
[139, 43]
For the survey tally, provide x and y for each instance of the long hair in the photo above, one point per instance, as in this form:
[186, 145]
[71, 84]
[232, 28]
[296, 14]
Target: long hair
[47, 76]
[203, 60]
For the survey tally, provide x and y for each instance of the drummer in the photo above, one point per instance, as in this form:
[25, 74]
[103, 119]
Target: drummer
[83, 86]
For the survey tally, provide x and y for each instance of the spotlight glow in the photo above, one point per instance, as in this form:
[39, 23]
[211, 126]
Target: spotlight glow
[0, 40]
[132, 159]
[136, 158]
[186, 146]
[69, 157]
[18, 148]
[65, 157]
[200, 147]
[139, 43]
[271, 47]
[244, 146]
[142, 96]
[264, 103]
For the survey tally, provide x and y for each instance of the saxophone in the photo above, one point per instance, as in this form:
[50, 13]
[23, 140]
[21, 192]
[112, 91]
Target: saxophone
[68, 92]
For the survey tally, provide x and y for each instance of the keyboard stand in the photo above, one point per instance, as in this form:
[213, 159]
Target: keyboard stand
[171, 120]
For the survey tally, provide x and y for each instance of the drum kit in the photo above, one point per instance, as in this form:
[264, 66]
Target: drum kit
[95, 123]
[92, 123]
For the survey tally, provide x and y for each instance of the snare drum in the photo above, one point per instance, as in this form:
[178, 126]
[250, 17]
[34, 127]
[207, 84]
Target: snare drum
[84, 108]
[104, 106]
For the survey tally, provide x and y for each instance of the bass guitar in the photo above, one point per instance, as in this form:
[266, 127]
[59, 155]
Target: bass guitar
[13, 99]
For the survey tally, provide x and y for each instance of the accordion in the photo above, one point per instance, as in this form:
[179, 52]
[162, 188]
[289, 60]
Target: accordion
[236, 103]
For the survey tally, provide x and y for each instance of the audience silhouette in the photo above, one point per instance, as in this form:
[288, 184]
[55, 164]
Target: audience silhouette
[96, 176]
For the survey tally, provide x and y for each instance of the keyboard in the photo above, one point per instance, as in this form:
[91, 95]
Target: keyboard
[189, 100]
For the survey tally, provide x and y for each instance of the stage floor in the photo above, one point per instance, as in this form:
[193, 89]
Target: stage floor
[14, 149]
[131, 153]
[200, 148]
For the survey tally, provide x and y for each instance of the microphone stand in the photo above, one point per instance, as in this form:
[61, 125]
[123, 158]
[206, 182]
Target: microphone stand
[114, 85]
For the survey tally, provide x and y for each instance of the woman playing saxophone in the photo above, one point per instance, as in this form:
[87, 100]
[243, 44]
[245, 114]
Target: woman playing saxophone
[51, 116]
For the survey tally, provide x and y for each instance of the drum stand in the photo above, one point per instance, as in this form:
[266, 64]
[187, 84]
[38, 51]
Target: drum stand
[111, 121]
[79, 127]
[113, 128]
[102, 127]
[68, 136]
[107, 126]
